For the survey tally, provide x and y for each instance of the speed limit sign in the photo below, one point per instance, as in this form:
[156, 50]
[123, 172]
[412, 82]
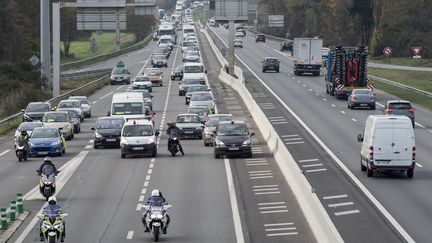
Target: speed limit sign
[387, 51]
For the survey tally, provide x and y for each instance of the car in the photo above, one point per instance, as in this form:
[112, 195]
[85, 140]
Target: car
[120, 74]
[240, 29]
[192, 89]
[226, 25]
[238, 43]
[155, 75]
[28, 127]
[260, 38]
[270, 64]
[232, 138]
[194, 71]
[286, 46]
[400, 107]
[166, 49]
[192, 39]
[159, 61]
[46, 141]
[138, 137]
[201, 111]
[185, 44]
[186, 83]
[107, 132]
[203, 98]
[239, 34]
[72, 104]
[147, 97]
[361, 98]
[191, 56]
[74, 117]
[210, 126]
[35, 111]
[85, 105]
[212, 22]
[142, 82]
[159, 52]
[177, 73]
[190, 126]
[61, 121]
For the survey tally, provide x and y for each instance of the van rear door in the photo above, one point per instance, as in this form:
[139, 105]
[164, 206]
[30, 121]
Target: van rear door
[382, 141]
[402, 145]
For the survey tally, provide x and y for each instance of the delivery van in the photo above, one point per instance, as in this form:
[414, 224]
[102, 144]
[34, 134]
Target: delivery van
[388, 144]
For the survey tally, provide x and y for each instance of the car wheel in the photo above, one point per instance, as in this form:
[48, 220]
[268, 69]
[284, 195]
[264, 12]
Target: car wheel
[263, 70]
[295, 73]
[410, 173]
[154, 153]
[373, 107]
[95, 146]
[123, 156]
[277, 70]
[217, 156]
[60, 154]
[369, 172]
[161, 84]
[206, 144]
[249, 155]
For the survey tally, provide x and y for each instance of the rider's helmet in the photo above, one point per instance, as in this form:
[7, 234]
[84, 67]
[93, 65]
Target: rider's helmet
[47, 160]
[155, 193]
[52, 200]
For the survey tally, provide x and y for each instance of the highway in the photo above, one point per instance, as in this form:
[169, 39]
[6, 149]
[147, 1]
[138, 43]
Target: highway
[336, 127]
[103, 194]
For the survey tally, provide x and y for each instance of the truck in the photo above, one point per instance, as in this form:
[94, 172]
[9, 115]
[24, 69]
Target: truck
[346, 70]
[307, 56]
[161, 13]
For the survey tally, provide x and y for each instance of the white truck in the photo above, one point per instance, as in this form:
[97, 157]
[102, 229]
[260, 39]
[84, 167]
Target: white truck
[307, 55]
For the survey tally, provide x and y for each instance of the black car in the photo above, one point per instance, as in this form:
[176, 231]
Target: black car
[286, 46]
[194, 88]
[260, 38]
[232, 138]
[177, 73]
[35, 111]
[186, 83]
[270, 64]
[107, 131]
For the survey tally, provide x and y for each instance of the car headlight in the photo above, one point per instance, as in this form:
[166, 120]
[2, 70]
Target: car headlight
[150, 141]
[55, 143]
[247, 142]
[124, 141]
[219, 143]
[31, 144]
[97, 135]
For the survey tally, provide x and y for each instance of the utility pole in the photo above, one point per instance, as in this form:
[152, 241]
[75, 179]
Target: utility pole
[231, 56]
[45, 41]
[56, 48]
[118, 30]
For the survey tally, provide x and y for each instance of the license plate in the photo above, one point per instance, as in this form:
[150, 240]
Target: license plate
[188, 132]
[309, 67]
[233, 149]
[383, 162]
[43, 152]
[138, 148]
[363, 104]
[270, 67]
[110, 139]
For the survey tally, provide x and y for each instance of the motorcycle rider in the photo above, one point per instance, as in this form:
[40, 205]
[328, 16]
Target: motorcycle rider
[174, 131]
[24, 136]
[52, 209]
[48, 162]
[156, 197]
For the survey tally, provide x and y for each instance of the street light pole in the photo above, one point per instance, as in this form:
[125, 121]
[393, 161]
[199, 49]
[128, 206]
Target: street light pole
[45, 42]
[56, 49]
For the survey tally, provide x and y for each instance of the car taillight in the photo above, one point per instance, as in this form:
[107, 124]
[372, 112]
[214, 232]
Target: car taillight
[411, 110]
[414, 153]
[371, 153]
[388, 110]
[354, 97]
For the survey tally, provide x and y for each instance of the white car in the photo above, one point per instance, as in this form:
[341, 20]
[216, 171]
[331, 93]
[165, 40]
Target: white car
[238, 43]
[138, 137]
[142, 82]
[239, 34]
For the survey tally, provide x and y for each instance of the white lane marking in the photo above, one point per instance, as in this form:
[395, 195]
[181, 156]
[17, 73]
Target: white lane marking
[281, 229]
[91, 141]
[354, 119]
[287, 136]
[94, 102]
[430, 130]
[130, 235]
[419, 165]
[66, 172]
[278, 224]
[270, 203]
[350, 212]
[259, 171]
[254, 159]
[333, 105]
[143, 191]
[291, 143]
[335, 197]
[253, 164]
[304, 85]
[260, 174]
[151, 165]
[5, 152]
[310, 90]
[283, 234]
[279, 123]
[265, 193]
[379, 104]
[276, 117]
[316, 170]
[149, 171]
[141, 198]
[420, 125]
[361, 186]
[291, 139]
[343, 112]
[316, 94]
[103, 97]
[89, 146]
[312, 165]
[146, 183]
[307, 160]
[335, 205]
[260, 177]
[274, 211]
[265, 186]
[265, 189]
[147, 178]
[138, 207]
[272, 207]
[234, 206]
[120, 87]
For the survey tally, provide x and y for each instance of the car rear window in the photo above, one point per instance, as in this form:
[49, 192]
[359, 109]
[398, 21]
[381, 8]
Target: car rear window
[272, 60]
[400, 105]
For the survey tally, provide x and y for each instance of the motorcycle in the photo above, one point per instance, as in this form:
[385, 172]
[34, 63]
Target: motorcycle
[47, 185]
[156, 219]
[52, 226]
[173, 145]
[21, 149]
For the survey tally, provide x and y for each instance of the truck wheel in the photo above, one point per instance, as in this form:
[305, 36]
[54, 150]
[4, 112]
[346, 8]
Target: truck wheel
[410, 173]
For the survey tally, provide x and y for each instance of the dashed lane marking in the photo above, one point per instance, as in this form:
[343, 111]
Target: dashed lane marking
[335, 197]
[130, 235]
[5, 152]
[141, 198]
[333, 105]
[103, 97]
[89, 146]
[316, 170]
[274, 211]
[343, 112]
[283, 234]
[293, 143]
[307, 160]
[120, 87]
[144, 190]
[347, 212]
[335, 205]
[270, 203]
[419, 165]
[324, 99]
[281, 229]
[278, 224]
[420, 125]
[354, 120]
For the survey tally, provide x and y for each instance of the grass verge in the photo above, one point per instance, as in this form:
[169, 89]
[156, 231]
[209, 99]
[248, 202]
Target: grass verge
[415, 79]
[10, 125]
[403, 61]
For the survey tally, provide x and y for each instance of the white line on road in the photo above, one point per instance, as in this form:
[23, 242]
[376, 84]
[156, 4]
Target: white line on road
[291, 139]
[266, 189]
[354, 119]
[110, 93]
[5, 152]
[420, 125]
[272, 207]
[324, 99]
[274, 211]
[147, 178]
[291, 143]
[343, 112]
[419, 165]
[379, 104]
[143, 191]
[281, 229]
[348, 212]
[270, 203]
[430, 130]
[149, 171]
[141, 198]
[335, 197]
[120, 87]
[283, 234]
[335, 205]
[317, 170]
[260, 177]
[145, 184]
[278, 224]
[254, 164]
[265, 186]
[89, 146]
[265, 193]
[276, 117]
[307, 160]
[287, 136]
[259, 171]
[333, 105]
[130, 235]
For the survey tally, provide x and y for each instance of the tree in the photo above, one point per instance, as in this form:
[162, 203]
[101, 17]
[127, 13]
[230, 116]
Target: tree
[68, 29]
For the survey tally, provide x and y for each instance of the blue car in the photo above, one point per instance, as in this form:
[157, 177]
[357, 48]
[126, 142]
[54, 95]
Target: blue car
[46, 141]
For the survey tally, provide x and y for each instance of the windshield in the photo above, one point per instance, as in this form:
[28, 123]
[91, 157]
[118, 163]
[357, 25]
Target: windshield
[55, 117]
[192, 53]
[159, 57]
[197, 88]
[82, 100]
[119, 71]
[199, 111]
[137, 130]
[73, 114]
[232, 130]
[69, 104]
[127, 108]
[396, 106]
[179, 69]
[47, 170]
[194, 69]
[188, 31]
[44, 133]
[166, 32]
[109, 124]
[166, 41]
[216, 119]
[271, 60]
[188, 43]
[28, 126]
[188, 119]
[37, 108]
[190, 81]
[201, 97]
[142, 78]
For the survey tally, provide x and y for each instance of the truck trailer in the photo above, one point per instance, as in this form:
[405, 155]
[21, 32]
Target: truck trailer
[307, 55]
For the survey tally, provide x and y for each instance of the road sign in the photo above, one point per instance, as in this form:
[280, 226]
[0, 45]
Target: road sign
[416, 51]
[101, 18]
[275, 21]
[34, 60]
[387, 51]
[226, 10]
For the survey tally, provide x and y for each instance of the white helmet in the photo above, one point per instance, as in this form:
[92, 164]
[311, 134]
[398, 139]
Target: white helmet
[155, 193]
[51, 200]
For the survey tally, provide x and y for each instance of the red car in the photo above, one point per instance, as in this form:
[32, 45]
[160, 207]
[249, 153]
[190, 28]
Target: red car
[260, 38]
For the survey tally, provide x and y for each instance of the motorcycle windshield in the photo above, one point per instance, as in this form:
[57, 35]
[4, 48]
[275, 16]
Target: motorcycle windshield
[48, 170]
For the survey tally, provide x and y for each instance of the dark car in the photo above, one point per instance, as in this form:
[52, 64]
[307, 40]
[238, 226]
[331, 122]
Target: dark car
[186, 83]
[270, 64]
[177, 73]
[232, 138]
[286, 46]
[107, 131]
[35, 111]
[260, 38]
[194, 88]
[361, 98]
[400, 107]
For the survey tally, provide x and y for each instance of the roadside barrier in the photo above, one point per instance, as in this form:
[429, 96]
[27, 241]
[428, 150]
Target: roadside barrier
[16, 206]
[3, 217]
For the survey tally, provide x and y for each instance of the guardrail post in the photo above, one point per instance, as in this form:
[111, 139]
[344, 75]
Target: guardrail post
[12, 211]
[3, 217]
[20, 204]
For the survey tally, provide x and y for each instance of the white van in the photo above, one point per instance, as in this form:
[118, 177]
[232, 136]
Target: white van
[388, 144]
[194, 71]
[212, 22]
[188, 28]
[138, 137]
[128, 104]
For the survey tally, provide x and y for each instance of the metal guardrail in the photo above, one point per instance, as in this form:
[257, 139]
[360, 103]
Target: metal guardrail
[402, 86]
[85, 74]
[67, 94]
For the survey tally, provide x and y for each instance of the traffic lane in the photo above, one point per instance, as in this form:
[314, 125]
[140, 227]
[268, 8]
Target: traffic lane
[345, 146]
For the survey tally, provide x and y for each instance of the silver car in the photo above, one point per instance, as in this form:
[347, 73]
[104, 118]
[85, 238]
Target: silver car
[85, 105]
[191, 56]
[73, 104]
[203, 98]
[210, 126]
[190, 126]
[361, 98]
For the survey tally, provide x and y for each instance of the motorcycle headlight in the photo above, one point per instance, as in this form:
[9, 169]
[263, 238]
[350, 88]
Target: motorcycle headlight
[97, 135]
[45, 225]
[247, 142]
[124, 141]
[159, 216]
[55, 143]
[57, 226]
[153, 216]
[219, 143]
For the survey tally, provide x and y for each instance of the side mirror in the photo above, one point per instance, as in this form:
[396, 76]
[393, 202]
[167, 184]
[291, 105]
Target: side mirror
[205, 71]
[157, 133]
[54, 108]
[60, 128]
[252, 134]
[208, 89]
[92, 128]
[360, 138]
